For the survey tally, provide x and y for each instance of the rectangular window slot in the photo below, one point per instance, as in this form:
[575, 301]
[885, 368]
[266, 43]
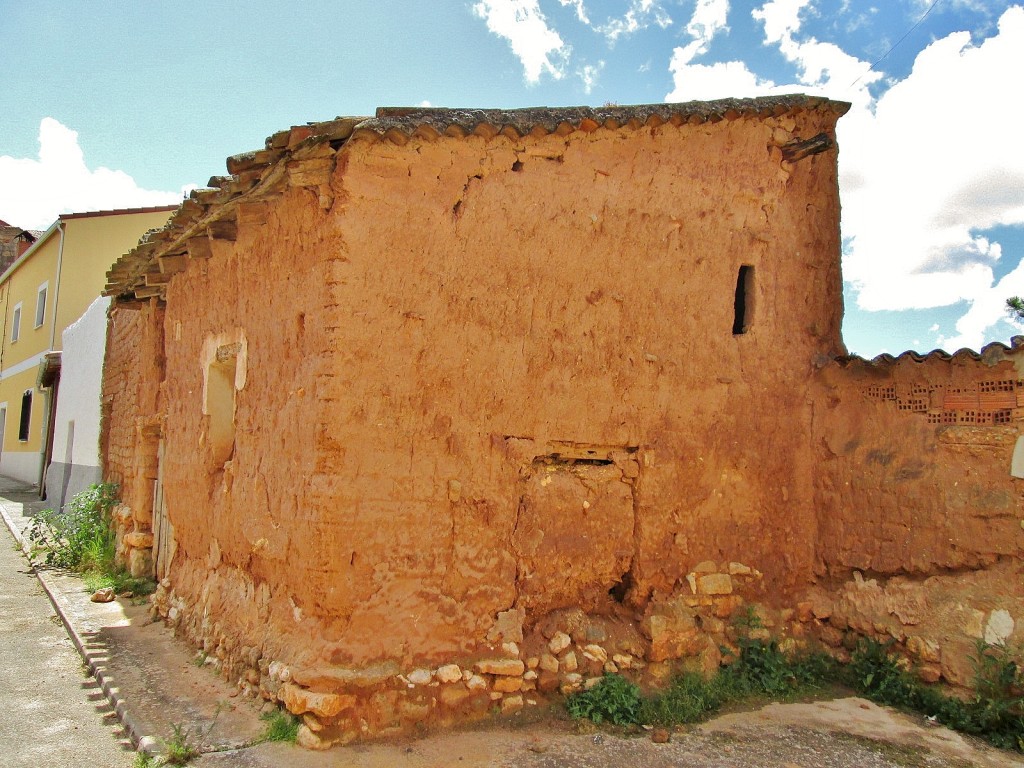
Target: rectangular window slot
[16, 323]
[26, 416]
[220, 401]
[743, 306]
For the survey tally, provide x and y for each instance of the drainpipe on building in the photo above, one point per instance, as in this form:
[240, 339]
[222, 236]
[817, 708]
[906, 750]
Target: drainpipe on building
[6, 301]
[56, 287]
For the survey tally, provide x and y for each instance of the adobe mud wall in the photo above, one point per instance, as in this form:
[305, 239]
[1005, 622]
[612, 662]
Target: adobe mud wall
[491, 428]
[130, 425]
[920, 518]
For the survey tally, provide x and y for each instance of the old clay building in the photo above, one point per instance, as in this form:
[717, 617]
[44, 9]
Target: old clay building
[439, 411]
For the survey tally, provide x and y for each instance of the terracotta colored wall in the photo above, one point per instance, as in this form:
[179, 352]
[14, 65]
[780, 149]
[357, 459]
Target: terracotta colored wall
[246, 529]
[491, 359]
[914, 464]
[131, 421]
[920, 533]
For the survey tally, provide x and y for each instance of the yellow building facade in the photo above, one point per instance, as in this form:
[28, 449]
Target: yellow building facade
[42, 293]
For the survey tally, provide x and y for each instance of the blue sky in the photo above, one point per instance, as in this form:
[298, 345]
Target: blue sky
[114, 104]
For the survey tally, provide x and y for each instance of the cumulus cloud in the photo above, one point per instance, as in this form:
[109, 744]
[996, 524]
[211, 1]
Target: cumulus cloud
[781, 18]
[708, 19]
[534, 43]
[928, 185]
[715, 81]
[36, 191]
[640, 15]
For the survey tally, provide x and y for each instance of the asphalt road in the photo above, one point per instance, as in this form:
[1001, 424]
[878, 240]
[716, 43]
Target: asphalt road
[53, 713]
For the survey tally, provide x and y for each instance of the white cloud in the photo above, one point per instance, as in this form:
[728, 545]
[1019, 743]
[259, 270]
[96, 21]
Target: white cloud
[709, 18]
[640, 15]
[987, 311]
[35, 191]
[589, 74]
[715, 81]
[581, 11]
[927, 179]
[781, 18]
[535, 44]
[822, 68]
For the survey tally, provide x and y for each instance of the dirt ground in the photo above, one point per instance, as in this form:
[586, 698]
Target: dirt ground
[839, 733]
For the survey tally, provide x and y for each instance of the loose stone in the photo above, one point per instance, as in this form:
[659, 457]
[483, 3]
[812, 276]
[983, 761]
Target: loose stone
[508, 667]
[559, 642]
[449, 673]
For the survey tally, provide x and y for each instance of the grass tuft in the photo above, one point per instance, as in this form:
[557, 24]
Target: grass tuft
[180, 748]
[80, 537]
[281, 726]
[995, 712]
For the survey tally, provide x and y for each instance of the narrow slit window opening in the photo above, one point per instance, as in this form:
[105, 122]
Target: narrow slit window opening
[26, 416]
[743, 305]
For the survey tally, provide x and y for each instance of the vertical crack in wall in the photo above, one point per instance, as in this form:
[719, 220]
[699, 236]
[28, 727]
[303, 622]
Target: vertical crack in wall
[626, 587]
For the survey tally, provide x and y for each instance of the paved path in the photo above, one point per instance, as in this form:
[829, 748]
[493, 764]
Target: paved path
[54, 714]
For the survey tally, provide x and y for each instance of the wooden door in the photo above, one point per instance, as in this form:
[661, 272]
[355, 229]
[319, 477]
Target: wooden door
[163, 531]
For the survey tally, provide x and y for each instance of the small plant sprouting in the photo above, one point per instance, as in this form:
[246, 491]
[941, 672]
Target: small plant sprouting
[281, 726]
[185, 744]
[181, 747]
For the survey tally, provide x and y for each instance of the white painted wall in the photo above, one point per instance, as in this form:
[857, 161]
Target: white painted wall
[76, 428]
[21, 465]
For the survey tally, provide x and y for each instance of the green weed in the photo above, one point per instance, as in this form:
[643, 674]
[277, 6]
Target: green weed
[120, 580]
[995, 712]
[181, 748]
[281, 726]
[761, 670]
[142, 760]
[614, 699]
[81, 538]
[688, 699]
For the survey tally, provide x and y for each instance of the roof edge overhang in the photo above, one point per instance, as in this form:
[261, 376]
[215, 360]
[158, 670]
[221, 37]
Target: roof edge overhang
[49, 370]
[31, 250]
[304, 155]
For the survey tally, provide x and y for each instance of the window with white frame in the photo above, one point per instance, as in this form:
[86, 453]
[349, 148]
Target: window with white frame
[41, 303]
[16, 322]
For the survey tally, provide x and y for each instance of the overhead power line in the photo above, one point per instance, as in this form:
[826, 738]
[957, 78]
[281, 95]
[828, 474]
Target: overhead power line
[894, 45]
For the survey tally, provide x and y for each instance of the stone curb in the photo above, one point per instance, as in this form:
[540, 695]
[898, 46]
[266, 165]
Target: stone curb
[142, 742]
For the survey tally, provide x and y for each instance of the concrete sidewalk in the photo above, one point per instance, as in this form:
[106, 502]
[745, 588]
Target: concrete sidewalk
[53, 711]
[151, 680]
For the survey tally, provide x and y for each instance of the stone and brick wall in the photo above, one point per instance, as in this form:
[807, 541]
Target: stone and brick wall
[920, 516]
[131, 424]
